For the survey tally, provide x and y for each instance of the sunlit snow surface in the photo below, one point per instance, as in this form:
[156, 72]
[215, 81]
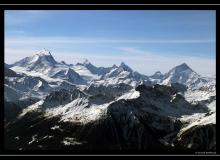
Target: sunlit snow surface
[78, 110]
[68, 141]
[130, 95]
[35, 74]
[83, 110]
[84, 72]
[31, 108]
[198, 95]
[200, 118]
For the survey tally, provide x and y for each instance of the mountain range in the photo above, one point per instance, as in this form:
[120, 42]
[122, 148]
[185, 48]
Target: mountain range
[81, 106]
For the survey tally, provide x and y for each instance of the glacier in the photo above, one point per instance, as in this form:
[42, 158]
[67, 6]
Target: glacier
[173, 106]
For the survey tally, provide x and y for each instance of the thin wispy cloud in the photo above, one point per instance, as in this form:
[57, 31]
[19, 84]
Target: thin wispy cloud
[73, 40]
[140, 60]
[146, 40]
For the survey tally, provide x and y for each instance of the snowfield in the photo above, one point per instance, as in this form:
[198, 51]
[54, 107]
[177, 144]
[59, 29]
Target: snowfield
[83, 93]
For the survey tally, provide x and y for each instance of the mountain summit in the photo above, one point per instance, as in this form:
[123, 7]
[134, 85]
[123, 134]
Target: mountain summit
[182, 74]
[44, 52]
[125, 67]
[40, 60]
[182, 67]
[157, 75]
[43, 62]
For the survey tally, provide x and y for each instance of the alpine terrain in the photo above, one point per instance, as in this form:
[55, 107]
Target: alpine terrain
[51, 105]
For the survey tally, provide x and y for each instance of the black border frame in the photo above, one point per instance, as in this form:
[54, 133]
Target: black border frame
[99, 7]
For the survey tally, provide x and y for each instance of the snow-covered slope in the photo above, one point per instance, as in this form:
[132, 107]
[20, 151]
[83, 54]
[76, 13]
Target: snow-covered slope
[122, 74]
[26, 86]
[66, 74]
[160, 100]
[43, 65]
[131, 105]
[40, 61]
[85, 73]
[96, 70]
[183, 74]
[157, 109]
[41, 74]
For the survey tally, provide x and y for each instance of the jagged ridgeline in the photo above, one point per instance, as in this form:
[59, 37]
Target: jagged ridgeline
[54, 105]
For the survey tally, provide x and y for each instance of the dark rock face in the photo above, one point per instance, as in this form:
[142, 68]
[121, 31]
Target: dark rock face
[108, 133]
[12, 109]
[103, 134]
[200, 138]
[10, 73]
[133, 124]
[62, 97]
[179, 87]
[138, 127]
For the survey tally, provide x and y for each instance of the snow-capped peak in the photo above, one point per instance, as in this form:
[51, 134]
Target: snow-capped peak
[182, 67]
[125, 67]
[43, 56]
[182, 74]
[43, 52]
[39, 61]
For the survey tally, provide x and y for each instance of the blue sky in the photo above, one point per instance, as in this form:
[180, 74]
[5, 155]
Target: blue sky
[146, 40]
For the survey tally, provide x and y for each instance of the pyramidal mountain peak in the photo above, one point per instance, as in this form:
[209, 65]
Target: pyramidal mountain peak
[44, 56]
[40, 59]
[182, 74]
[182, 67]
[125, 67]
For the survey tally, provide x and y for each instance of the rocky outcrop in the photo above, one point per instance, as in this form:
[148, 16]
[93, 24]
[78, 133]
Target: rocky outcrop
[198, 138]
